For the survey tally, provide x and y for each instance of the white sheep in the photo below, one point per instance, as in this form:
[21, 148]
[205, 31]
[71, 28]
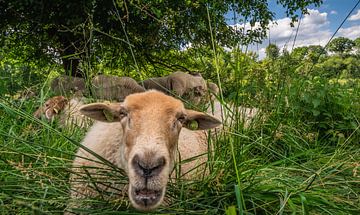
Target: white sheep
[141, 136]
[229, 114]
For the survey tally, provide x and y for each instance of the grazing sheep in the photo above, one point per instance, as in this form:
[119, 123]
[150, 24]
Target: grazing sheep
[66, 85]
[227, 113]
[67, 111]
[190, 87]
[110, 87]
[213, 90]
[141, 136]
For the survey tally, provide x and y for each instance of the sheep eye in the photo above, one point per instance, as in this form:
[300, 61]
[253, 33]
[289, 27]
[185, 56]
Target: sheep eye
[123, 113]
[181, 119]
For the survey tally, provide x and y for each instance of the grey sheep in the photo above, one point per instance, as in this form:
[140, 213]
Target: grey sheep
[191, 87]
[110, 87]
[66, 85]
[213, 90]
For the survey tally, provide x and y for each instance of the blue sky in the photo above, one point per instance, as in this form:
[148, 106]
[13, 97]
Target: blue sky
[337, 10]
[316, 28]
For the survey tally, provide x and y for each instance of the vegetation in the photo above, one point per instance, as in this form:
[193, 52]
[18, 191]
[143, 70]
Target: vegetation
[77, 30]
[300, 155]
[341, 45]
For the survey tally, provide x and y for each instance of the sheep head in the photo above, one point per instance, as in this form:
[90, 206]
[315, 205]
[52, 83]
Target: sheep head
[51, 107]
[151, 123]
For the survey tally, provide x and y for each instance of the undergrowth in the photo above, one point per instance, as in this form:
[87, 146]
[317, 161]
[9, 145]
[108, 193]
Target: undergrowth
[300, 155]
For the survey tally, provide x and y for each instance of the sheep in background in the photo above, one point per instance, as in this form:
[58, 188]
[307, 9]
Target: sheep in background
[191, 87]
[66, 85]
[110, 87]
[213, 90]
[140, 136]
[66, 110]
[227, 112]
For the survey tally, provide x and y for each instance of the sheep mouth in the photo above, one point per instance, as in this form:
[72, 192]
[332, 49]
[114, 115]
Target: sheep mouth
[146, 199]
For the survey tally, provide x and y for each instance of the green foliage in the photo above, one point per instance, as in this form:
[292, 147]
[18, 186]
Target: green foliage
[300, 155]
[327, 107]
[341, 45]
[336, 66]
[20, 70]
[311, 54]
[357, 45]
[272, 52]
[81, 30]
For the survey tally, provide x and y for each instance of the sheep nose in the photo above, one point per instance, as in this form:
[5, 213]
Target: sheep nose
[148, 167]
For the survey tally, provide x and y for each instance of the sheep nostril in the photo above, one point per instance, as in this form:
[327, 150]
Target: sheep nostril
[148, 168]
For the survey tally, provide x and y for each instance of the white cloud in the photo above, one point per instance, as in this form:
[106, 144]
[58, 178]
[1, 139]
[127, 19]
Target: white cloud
[352, 32]
[333, 12]
[262, 53]
[313, 30]
[356, 16]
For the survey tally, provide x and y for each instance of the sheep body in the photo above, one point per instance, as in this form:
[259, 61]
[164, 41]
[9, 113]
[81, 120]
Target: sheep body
[187, 86]
[110, 148]
[110, 87]
[226, 113]
[66, 85]
[71, 115]
[192, 144]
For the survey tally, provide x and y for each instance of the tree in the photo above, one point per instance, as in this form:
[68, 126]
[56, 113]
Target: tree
[48, 24]
[78, 29]
[316, 53]
[357, 45]
[299, 53]
[341, 45]
[272, 52]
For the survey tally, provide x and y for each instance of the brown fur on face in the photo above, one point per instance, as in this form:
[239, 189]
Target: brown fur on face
[51, 107]
[145, 130]
[151, 133]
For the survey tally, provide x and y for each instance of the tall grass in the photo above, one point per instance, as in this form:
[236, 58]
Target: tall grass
[300, 155]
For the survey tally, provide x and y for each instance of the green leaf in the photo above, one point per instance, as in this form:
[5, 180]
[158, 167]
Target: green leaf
[231, 210]
[303, 204]
[315, 112]
[316, 102]
[238, 198]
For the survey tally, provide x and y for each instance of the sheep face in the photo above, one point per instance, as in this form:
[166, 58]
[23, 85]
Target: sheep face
[51, 107]
[151, 123]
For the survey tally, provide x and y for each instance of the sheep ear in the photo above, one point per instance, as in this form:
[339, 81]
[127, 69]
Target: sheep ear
[105, 112]
[200, 121]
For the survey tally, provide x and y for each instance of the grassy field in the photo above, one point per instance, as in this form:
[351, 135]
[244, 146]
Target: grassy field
[301, 155]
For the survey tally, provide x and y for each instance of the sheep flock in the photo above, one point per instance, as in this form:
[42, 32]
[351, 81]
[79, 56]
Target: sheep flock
[142, 128]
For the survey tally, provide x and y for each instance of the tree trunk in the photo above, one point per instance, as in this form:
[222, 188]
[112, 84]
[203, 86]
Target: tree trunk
[71, 67]
[70, 58]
